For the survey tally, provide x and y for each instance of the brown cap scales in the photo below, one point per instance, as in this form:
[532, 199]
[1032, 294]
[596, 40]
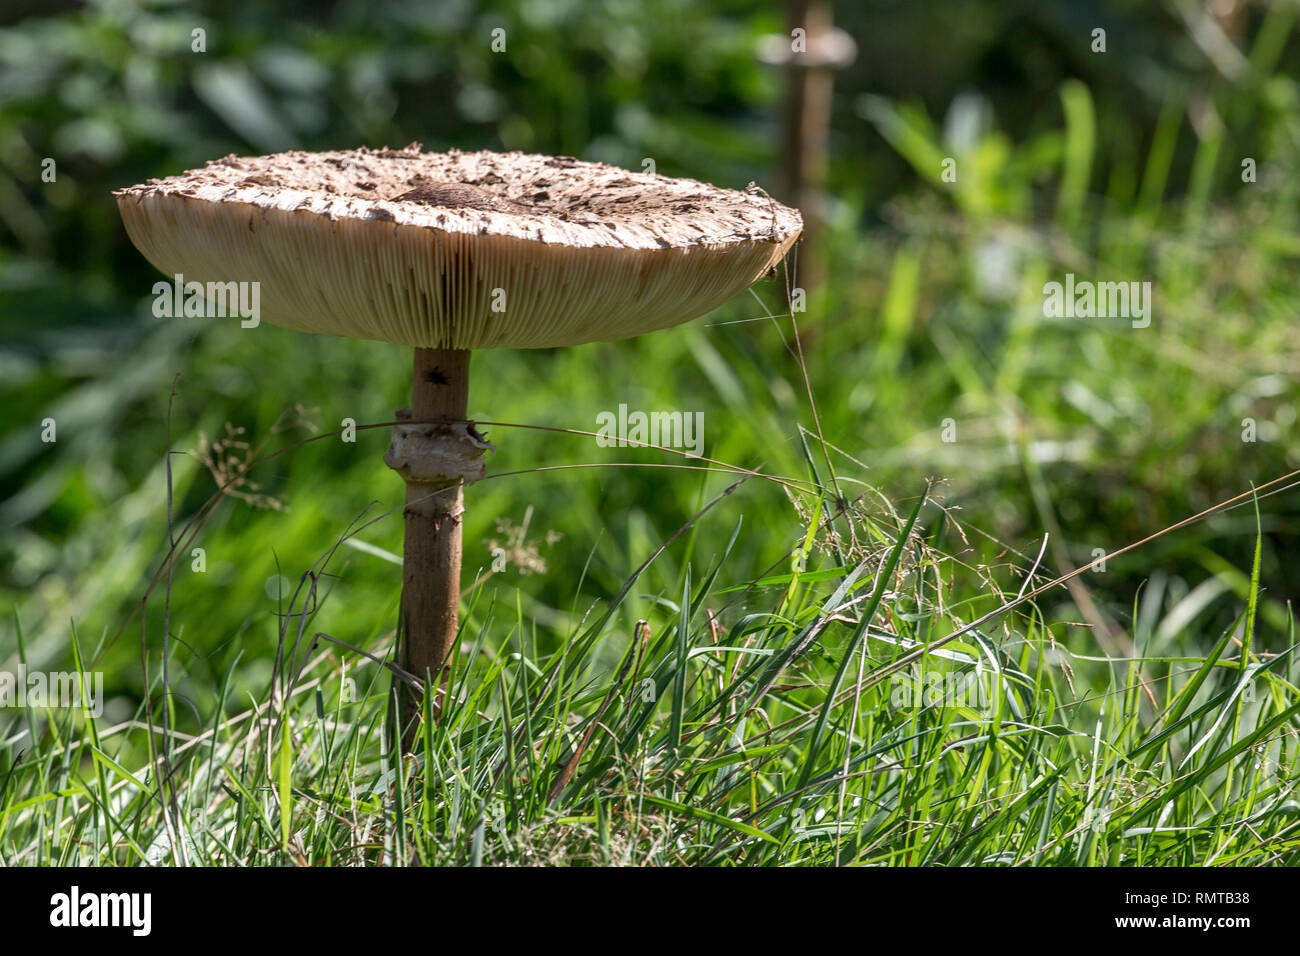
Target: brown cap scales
[460, 250]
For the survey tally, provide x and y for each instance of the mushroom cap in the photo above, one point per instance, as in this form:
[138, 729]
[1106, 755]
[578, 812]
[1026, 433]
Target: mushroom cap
[460, 250]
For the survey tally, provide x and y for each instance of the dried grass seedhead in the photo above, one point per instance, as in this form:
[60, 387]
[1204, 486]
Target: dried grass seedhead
[514, 549]
[228, 459]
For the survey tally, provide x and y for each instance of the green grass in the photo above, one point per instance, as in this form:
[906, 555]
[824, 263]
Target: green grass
[785, 736]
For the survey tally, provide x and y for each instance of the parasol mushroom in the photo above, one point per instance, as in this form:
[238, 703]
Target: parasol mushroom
[447, 253]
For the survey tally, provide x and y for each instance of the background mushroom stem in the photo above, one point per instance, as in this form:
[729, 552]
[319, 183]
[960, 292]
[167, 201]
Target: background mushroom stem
[434, 507]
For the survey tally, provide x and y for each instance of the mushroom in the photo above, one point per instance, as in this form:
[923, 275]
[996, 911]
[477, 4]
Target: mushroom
[447, 253]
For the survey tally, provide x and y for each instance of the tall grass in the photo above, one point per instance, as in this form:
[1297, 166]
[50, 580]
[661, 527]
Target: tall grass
[772, 722]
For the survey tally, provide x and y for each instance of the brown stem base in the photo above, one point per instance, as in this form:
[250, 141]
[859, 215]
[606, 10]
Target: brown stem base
[435, 461]
[430, 591]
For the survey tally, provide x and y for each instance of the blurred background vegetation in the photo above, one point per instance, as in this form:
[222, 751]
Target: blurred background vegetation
[1124, 165]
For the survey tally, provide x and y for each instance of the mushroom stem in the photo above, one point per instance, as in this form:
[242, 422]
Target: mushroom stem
[434, 505]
